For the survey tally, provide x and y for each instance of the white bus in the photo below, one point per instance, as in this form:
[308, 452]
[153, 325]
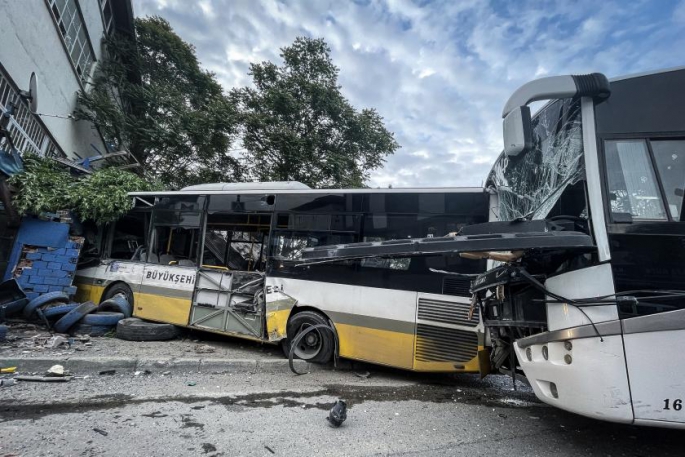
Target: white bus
[585, 295]
[222, 258]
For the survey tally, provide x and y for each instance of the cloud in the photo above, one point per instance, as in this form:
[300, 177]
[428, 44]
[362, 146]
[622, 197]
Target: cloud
[439, 72]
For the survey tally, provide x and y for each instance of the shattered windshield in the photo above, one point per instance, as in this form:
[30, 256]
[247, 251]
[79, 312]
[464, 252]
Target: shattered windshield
[530, 185]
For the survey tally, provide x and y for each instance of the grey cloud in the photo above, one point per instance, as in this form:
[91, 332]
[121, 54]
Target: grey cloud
[448, 122]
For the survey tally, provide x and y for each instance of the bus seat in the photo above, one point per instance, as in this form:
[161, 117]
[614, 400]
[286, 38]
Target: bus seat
[165, 259]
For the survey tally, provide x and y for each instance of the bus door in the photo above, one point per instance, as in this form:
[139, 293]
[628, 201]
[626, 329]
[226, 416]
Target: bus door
[229, 290]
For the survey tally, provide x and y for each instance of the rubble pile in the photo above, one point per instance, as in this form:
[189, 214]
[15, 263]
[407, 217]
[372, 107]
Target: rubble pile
[61, 315]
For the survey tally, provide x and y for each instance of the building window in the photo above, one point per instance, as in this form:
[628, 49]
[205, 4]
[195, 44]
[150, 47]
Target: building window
[106, 10]
[73, 30]
[27, 133]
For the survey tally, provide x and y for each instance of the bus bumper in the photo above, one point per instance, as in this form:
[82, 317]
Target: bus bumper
[585, 376]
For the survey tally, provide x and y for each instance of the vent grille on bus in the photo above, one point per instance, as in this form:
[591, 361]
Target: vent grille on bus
[437, 344]
[456, 286]
[447, 312]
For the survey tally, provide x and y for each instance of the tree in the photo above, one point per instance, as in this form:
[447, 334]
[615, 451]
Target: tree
[298, 126]
[150, 95]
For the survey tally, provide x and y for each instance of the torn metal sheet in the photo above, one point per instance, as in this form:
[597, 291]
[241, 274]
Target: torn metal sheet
[453, 244]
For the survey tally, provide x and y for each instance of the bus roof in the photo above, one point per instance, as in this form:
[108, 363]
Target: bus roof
[422, 190]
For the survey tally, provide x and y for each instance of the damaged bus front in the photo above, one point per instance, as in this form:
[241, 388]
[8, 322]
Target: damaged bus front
[607, 159]
[584, 293]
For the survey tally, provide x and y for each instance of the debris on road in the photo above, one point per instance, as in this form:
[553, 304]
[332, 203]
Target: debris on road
[269, 449]
[7, 382]
[8, 370]
[107, 372]
[44, 378]
[337, 414]
[191, 383]
[204, 349]
[364, 375]
[56, 341]
[100, 431]
[55, 370]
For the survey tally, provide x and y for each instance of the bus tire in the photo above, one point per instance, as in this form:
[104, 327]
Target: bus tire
[29, 311]
[116, 289]
[318, 345]
[133, 329]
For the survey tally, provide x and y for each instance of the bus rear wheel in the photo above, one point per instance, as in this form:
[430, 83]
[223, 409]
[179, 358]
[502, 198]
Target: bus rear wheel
[318, 345]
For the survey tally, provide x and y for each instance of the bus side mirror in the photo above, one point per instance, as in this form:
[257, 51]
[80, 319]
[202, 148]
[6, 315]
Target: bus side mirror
[518, 131]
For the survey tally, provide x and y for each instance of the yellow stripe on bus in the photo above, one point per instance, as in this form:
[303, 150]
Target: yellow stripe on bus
[162, 309]
[378, 346]
[86, 292]
[276, 322]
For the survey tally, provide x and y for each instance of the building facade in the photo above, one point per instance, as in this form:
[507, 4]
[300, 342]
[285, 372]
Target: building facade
[61, 42]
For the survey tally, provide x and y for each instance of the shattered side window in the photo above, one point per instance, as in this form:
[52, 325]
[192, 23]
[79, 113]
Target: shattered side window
[530, 185]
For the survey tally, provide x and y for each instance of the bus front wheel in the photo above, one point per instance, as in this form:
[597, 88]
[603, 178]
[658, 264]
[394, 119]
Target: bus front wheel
[116, 289]
[318, 345]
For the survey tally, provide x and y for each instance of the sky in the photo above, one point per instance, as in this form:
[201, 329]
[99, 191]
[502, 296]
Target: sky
[439, 72]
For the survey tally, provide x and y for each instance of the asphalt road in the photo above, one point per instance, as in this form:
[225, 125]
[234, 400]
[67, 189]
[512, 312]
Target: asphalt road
[390, 413]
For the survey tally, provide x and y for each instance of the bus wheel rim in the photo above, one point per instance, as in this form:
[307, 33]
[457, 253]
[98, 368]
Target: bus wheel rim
[310, 345]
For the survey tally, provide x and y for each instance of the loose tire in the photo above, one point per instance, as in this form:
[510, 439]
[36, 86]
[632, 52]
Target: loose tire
[92, 330]
[133, 329]
[30, 309]
[119, 304]
[72, 317]
[318, 345]
[104, 318]
[58, 310]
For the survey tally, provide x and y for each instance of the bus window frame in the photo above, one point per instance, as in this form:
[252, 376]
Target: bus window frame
[110, 229]
[647, 137]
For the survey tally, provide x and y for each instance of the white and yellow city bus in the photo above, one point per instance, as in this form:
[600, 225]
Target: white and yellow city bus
[224, 258]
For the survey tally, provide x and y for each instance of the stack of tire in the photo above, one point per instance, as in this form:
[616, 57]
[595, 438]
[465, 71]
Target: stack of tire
[78, 319]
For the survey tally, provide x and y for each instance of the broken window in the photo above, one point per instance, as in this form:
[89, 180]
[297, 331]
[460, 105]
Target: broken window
[129, 236]
[530, 185]
[236, 241]
[632, 185]
[669, 156]
[288, 245]
[175, 237]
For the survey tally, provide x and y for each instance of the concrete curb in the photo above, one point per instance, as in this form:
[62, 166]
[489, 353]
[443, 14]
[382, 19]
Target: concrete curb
[91, 365]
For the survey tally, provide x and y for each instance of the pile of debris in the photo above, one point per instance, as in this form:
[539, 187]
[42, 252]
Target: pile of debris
[62, 316]
[58, 313]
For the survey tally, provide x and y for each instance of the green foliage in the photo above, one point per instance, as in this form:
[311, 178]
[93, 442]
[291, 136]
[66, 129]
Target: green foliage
[298, 126]
[152, 97]
[101, 196]
[44, 186]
